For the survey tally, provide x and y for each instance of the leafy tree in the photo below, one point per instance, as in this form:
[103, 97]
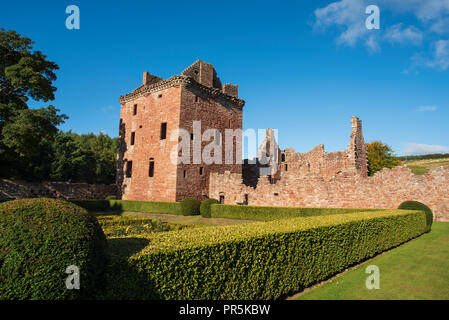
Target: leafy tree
[380, 156]
[25, 132]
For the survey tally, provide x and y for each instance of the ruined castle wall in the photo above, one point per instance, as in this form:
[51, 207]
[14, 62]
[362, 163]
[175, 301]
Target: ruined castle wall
[216, 114]
[386, 189]
[10, 189]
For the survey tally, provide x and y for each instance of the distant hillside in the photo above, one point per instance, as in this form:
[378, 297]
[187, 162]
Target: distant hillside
[421, 164]
[425, 157]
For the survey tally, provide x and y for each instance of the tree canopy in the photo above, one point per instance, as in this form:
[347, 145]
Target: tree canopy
[380, 156]
[31, 145]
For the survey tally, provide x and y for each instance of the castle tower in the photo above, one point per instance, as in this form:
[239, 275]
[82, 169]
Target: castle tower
[151, 120]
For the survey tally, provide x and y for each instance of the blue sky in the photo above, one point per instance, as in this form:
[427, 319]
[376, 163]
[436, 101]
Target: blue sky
[303, 68]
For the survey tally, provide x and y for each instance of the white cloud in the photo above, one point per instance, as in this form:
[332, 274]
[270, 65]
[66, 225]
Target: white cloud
[416, 149]
[349, 16]
[404, 35]
[427, 109]
[441, 55]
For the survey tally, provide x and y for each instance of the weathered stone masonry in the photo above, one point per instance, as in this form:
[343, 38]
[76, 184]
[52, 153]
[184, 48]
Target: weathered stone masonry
[287, 178]
[336, 179]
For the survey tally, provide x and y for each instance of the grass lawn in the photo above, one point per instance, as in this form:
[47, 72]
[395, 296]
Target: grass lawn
[421, 167]
[418, 269]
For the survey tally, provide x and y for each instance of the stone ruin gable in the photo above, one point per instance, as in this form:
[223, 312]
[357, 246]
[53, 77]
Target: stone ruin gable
[357, 152]
[387, 189]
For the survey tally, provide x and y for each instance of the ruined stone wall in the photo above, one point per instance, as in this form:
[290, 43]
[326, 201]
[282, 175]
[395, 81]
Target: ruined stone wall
[62, 190]
[386, 189]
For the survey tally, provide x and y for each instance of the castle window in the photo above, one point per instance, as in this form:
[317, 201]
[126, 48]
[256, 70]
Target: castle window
[283, 157]
[191, 136]
[185, 174]
[133, 138]
[163, 131]
[201, 171]
[159, 96]
[195, 72]
[286, 167]
[197, 99]
[135, 110]
[276, 194]
[246, 198]
[129, 169]
[222, 199]
[151, 168]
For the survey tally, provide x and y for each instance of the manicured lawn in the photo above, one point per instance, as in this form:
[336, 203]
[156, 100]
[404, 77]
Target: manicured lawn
[418, 269]
[421, 167]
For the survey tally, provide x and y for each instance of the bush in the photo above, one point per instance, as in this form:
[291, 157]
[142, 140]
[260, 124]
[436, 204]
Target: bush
[39, 239]
[111, 198]
[275, 213]
[92, 205]
[190, 207]
[266, 260]
[415, 205]
[145, 206]
[205, 207]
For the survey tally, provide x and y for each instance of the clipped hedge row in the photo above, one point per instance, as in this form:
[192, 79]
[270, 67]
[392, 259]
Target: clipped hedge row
[129, 205]
[415, 205]
[265, 260]
[275, 213]
[39, 239]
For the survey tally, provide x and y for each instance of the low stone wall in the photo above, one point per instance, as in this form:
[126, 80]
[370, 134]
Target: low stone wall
[386, 189]
[62, 190]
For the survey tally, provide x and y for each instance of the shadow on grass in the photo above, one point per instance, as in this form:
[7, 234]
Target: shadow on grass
[124, 279]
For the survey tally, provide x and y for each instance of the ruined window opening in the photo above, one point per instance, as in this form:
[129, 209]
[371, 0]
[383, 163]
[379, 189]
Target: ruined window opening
[286, 167]
[246, 198]
[222, 199]
[133, 138]
[276, 194]
[135, 110]
[159, 96]
[151, 168]
[283, 157]
[129, 169]
[197, 99]
[191, 136]
[163, 130]
[201, 171]
[185, 174]
[195, 72]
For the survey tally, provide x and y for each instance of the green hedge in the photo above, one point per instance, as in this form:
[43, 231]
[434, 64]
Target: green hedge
[92, 205]
[129, 205]
[190, 207]
[265, 260]
[205, 208]
[39, 239]
[274, 213]
[415, 205]
[145, 206]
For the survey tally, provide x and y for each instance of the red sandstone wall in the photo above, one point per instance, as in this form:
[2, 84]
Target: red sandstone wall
[386, 189]
[213, 114]
[63, 190]
[152, 110]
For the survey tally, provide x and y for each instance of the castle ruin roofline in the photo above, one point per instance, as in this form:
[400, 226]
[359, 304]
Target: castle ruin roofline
[145, 90]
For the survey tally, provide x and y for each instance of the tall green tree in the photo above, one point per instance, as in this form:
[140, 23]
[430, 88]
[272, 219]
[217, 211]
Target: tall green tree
[380, 156]
[25, 74]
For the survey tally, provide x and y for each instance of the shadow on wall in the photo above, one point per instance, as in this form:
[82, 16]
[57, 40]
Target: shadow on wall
[122, 146]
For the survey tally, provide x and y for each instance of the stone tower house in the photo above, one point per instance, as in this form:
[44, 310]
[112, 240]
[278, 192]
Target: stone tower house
[150, 119]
